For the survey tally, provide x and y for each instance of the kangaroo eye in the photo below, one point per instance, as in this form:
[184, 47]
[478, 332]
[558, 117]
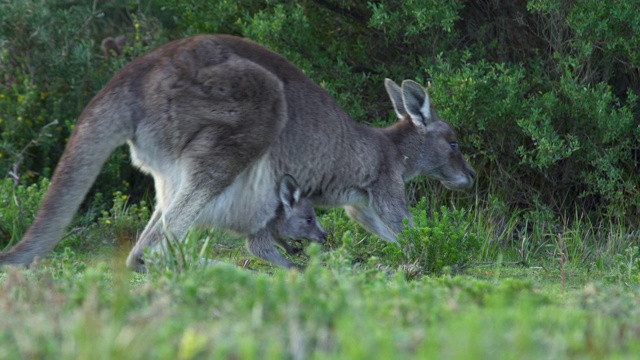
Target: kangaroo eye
[309, 220]
[454, 145]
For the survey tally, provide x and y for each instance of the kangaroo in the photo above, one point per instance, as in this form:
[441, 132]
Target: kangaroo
[116, 45]
[217, 120]
[295, 219]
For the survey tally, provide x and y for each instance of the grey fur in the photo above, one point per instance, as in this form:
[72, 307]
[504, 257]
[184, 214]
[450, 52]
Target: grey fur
[218, 120]
[295, 219]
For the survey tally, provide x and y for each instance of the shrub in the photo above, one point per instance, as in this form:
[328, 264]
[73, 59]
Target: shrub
[51, 65]
[435, 242]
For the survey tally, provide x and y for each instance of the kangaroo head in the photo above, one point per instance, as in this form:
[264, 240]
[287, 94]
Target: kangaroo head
[298, 218]
[428, 144]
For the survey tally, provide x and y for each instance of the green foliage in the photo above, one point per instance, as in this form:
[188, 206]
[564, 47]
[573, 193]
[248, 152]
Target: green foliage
[177, 257]
[51, 65]
[569, 142]
[120, 226]
[627, 267]
[37, 58]
[442, 240]
[413, 18]
[62, 310]
[18, 207]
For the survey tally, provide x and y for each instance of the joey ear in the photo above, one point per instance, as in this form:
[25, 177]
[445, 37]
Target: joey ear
[395, 94]
[416, 101]
[289, 191]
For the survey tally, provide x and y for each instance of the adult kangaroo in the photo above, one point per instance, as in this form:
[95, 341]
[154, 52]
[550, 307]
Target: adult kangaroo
[217, 120]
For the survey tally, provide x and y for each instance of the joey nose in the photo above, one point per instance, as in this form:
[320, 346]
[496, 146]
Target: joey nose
[135, 262]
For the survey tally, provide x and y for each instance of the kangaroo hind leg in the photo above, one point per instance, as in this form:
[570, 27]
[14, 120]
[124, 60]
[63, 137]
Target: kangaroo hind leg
[207, 167]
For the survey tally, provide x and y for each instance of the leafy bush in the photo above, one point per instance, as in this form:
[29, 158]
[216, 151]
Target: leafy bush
[435, 242]
[51, 65]
[563, 145]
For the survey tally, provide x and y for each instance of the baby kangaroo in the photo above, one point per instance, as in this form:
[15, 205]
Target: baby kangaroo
[295, 220]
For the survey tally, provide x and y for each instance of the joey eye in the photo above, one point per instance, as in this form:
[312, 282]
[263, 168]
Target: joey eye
[454, 145]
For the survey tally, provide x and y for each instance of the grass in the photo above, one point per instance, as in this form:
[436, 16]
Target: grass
[331, 310]
[542, 297]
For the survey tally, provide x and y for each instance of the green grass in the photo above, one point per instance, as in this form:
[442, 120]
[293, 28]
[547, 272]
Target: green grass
[357, 298]
[331, 310]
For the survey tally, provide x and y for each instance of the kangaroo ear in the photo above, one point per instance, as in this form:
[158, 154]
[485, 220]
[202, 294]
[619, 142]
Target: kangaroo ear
[289, 191]
[395, 94]
[416, 102]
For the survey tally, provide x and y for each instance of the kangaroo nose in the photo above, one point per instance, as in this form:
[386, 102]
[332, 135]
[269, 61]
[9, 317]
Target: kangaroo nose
[323, 237]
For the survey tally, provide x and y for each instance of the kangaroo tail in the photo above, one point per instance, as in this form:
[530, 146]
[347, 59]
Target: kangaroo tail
[101, 128]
